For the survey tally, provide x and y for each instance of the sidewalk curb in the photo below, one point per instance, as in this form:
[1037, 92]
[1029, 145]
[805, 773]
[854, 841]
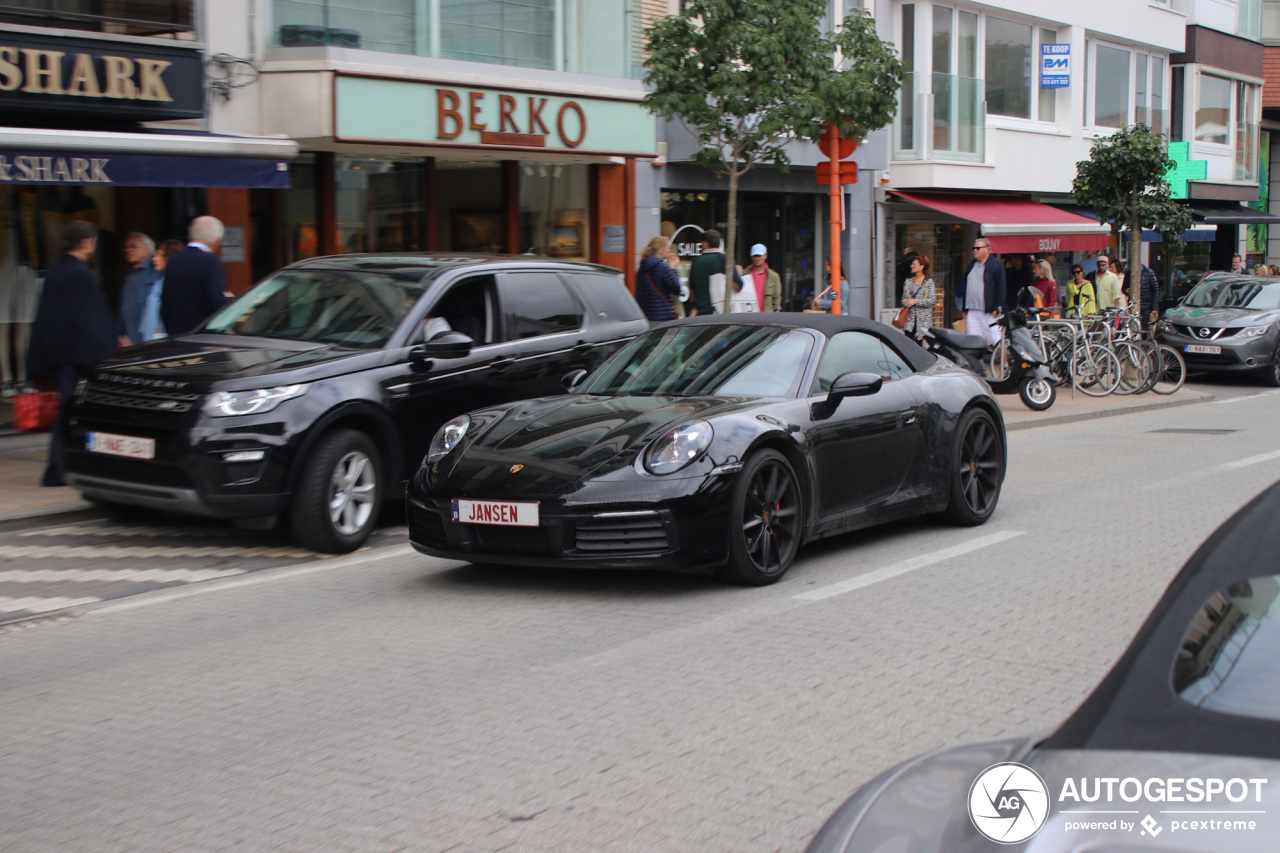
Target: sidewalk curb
[1108, 412]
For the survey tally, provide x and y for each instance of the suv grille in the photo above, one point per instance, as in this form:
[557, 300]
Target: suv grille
[128, 470]
[1215, 333]
[641, 533]
[151, 398]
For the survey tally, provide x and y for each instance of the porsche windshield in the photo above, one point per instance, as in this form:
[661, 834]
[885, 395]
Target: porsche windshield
[1233, 293]
[687, 361]
[347, 308]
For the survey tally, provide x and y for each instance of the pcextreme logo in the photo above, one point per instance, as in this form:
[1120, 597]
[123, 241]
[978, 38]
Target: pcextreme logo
[1008, 802]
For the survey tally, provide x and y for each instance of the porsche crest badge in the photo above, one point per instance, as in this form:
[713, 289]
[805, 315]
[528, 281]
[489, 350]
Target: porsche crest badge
[516, 469]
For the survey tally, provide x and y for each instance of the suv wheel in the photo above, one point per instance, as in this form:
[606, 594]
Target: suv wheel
[339, 493]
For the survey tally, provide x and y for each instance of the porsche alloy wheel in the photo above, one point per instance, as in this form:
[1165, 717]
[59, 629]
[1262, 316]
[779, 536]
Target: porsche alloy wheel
[765, 520]
[979, 469]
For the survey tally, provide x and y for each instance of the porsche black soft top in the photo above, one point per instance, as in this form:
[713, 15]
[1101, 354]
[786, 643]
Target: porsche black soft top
[1135, 707]
[828, 325]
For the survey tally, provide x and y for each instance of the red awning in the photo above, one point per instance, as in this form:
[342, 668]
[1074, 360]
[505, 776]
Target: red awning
[1016, 225]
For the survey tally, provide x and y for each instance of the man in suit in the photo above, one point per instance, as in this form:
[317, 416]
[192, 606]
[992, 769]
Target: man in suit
[195, 285]
[981, 291]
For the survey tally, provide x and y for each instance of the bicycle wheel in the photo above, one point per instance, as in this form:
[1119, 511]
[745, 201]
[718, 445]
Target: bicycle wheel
[1136, 367]
[1058, 358]
[998, 363]
[1173, 371]
[1095, 370]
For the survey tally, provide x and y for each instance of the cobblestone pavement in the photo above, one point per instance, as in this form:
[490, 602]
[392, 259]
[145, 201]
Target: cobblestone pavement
[388, 701]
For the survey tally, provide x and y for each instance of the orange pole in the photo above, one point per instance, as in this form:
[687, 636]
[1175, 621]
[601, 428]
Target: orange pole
[833, 183]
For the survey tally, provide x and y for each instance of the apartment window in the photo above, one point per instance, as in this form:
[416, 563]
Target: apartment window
[1213, 110]
[1245, 127]
[1111, 87]
[1009, 57]
[1249, 18]
[1271, 21]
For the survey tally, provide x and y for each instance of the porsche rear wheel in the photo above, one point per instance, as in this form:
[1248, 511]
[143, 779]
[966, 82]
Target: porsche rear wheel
[766, 517]
[977, 469]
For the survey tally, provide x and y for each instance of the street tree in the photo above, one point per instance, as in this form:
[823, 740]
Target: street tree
[745, 77]
[1124, 181]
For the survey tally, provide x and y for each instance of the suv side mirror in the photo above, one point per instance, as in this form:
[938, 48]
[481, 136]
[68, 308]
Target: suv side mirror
[448, 345]
[853, 384]
[573, 379]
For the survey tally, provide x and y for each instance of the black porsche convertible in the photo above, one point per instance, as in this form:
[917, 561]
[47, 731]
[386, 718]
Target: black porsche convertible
[715, 444]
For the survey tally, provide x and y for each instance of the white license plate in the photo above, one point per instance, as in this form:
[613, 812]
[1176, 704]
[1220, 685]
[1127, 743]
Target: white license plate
[120, 445]
[501, 513]
[1204, 348]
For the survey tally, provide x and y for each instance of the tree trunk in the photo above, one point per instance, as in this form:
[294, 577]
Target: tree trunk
[730, 239]
[1135, 258]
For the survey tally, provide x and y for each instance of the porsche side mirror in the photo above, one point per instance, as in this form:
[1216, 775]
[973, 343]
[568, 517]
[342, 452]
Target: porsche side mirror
[447, 345]
[854, 384]
[573, 379]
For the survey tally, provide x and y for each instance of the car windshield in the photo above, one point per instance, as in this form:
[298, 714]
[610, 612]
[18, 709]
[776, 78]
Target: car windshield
[1233, 293]
[354, 309]
[687, 361]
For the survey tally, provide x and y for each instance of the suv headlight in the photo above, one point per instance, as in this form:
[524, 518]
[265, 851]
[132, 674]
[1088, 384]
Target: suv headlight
[221, 404]
[1254, 331]
[447, 438]
[676, 448]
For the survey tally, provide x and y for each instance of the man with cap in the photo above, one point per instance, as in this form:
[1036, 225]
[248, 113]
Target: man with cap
[768, 283]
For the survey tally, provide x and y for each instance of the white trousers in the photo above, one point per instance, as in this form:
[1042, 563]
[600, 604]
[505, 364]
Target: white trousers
[978, 323]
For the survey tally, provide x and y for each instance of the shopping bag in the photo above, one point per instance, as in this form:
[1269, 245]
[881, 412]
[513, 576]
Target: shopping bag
[35, 412]
[961, 326]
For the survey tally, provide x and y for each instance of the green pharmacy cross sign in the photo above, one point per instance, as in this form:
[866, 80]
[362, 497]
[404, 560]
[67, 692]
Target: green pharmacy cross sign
[1184, 169]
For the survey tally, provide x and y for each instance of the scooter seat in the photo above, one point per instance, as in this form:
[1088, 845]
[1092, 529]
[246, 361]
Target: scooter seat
[955, 339]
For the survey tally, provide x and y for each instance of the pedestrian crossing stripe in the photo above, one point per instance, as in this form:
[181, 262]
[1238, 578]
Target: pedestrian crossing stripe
[122, 575]
[134, 552]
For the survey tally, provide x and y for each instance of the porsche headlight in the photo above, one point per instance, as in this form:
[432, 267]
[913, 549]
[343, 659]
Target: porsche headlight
[677, 447]
[223, 404]
[447, 438]
[1254, 331]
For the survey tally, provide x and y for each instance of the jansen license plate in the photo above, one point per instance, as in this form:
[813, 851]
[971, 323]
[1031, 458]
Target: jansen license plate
[120, 445]
[501, 513]
[1203, 348]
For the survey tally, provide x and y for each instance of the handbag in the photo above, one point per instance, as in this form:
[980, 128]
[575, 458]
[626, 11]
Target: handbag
[900, 321]
[36, 411]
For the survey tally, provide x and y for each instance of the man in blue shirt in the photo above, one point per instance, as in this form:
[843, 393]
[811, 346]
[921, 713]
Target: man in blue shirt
[139, 249]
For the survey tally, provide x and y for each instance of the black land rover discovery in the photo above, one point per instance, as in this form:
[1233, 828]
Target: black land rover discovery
[316, 392]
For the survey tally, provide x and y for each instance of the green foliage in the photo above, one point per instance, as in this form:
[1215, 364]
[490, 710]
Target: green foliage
[745, 76]
[1123, 180]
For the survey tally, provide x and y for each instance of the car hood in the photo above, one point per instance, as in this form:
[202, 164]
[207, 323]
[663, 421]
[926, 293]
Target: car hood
[563, 440]
[205, 359]
[886, 814]
[1219, 317]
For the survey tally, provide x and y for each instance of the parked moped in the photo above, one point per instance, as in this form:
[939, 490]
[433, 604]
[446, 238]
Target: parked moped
[1017, 360]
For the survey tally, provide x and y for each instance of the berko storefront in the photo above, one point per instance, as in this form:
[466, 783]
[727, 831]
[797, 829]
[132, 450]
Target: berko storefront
[410, 163]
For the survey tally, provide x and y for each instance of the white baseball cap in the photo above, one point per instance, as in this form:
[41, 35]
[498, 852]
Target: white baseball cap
[759, 249]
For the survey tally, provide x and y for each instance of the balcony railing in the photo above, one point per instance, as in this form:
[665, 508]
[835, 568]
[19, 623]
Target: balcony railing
[957, 112]
[168, 18]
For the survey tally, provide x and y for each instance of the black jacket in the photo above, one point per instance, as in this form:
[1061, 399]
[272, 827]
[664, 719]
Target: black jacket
[655, 299]
[73, 323]
[194, 283]
[993, 292]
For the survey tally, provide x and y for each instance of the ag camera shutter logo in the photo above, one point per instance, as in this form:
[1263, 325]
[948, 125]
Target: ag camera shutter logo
[1008, 802]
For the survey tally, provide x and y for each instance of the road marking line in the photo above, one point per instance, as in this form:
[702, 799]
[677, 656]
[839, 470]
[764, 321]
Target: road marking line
[1246, 397]
[1253, 460]
[122, 552]
[126, 575]
[35, 604]
[897, 569]
[146, 599]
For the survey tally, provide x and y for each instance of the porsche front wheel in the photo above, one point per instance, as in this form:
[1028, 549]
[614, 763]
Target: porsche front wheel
[765, 521]
[977, 469]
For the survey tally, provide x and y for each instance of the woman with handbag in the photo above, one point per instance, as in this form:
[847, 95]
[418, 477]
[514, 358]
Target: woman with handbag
[73, 330]
[657, 282]
[918, 297]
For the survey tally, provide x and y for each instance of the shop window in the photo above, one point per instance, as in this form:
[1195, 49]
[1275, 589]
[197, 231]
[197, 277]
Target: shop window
[537, 303]
[469, 207]
[554, 199]
[1008, 83]
[381, 204]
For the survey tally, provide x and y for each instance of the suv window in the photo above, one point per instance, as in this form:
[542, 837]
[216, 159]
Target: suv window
[608, 293]
[859, 351]
[538, 303]
[468, 308]
[1227, 662]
